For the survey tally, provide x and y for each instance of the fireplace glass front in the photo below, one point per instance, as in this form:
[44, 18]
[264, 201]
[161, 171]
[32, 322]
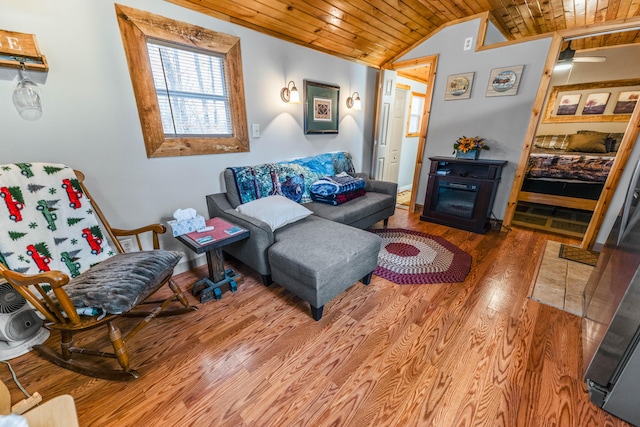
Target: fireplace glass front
[456, 199]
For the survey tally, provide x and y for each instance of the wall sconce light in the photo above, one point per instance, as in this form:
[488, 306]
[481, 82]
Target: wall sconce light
[354, 101]
[290, 94]
[27, 97]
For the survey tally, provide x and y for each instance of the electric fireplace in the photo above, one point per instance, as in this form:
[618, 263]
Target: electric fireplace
[461, 192]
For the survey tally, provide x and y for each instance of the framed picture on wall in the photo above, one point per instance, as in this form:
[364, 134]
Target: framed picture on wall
[596, 103]
[589, 102]
[320, 107]
[568, 105]
[504, 81]
[626, 102]
[458, 86]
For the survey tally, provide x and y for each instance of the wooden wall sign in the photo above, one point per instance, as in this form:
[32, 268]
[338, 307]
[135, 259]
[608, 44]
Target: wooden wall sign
[21, 47]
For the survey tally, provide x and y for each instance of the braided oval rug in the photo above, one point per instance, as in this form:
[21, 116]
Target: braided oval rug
[412, 257]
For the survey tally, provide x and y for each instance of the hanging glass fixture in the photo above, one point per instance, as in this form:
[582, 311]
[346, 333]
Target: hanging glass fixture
[27, 97]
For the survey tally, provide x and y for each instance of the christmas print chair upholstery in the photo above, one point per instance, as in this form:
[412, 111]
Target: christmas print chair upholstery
[54, 252]
[49, 222]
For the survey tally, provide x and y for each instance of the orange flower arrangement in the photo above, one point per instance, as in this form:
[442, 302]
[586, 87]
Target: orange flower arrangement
[466, 144]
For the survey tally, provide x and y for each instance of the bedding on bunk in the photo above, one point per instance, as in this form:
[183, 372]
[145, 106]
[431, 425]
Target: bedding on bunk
[570, 166]
[586, 156]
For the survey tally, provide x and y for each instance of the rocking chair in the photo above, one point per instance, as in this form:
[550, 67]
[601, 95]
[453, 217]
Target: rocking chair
[53, 252]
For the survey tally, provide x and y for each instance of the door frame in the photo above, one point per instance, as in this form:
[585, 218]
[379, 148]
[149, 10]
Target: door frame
[622, 156]
[432, 61]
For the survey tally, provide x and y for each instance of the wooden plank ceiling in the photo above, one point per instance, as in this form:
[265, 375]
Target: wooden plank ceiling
[377, 31]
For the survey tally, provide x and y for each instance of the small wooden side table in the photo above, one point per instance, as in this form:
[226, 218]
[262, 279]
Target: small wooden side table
[223, 233]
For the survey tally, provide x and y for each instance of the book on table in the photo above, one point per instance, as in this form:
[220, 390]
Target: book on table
[221, 230]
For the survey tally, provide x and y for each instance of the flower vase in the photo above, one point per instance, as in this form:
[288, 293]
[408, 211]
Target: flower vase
[471, 154]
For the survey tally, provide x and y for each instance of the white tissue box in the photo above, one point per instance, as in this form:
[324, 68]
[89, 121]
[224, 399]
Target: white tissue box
[178, 228]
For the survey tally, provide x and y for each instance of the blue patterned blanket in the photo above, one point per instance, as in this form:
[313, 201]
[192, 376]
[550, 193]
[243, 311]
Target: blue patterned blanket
[336, 184]
[292, 178]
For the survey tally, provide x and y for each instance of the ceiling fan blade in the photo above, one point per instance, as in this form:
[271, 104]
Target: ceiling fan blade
[589, 58]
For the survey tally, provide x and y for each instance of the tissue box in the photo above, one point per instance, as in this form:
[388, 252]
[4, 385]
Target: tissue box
[178, 228]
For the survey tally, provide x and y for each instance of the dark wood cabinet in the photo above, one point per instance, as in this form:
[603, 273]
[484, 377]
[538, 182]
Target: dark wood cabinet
[461, 192]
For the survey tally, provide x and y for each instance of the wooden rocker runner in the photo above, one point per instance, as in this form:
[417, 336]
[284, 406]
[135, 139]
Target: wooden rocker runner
[55, 254]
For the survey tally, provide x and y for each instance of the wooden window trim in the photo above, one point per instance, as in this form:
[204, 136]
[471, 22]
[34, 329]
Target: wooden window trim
[136, 27]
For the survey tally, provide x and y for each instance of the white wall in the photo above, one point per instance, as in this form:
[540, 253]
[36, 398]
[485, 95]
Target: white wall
[409, 143]
[90, 119]
[501, 120]
[493, 35]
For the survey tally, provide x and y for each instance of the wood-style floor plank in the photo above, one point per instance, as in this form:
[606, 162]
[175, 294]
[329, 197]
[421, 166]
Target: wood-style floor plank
[477, 353]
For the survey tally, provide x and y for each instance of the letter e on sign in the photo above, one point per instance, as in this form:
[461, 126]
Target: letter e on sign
[21, 44]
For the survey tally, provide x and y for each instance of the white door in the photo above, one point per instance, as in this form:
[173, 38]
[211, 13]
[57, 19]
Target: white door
[395, 137]
[388, 83]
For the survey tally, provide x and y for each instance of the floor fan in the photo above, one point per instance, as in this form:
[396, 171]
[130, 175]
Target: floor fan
[20, 326]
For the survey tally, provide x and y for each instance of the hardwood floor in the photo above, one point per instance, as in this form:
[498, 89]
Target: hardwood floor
[478, 353]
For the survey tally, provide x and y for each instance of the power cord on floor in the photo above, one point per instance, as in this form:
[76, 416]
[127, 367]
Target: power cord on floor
[15, 378]
[495, 218]
[25, 404]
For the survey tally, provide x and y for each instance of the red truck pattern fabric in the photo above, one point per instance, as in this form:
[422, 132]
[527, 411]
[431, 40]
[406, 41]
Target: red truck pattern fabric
[46, 222]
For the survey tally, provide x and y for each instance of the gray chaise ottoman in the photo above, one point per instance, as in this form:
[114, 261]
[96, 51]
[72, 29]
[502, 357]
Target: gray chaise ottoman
[317, 259]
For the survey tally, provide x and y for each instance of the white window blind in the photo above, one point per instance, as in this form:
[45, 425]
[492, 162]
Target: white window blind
[191, 91]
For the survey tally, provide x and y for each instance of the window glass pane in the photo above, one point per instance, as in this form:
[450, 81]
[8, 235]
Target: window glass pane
[413, 123]
[416, 104]
[191, 91]
[415, 114]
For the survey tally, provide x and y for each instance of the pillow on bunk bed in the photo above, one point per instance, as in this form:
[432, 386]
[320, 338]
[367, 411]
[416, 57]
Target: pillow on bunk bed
[587, 143]
[615, 139]
[612, 140]
[551, 142]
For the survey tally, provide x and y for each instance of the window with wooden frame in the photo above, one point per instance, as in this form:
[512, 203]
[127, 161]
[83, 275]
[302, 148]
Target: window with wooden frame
[188, 85]
[416, 107]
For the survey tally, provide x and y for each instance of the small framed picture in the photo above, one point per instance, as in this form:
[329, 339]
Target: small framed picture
[321, 107]
[459, 86]
[504, 81]
[626, 102]
[568, 105]
[595, 103]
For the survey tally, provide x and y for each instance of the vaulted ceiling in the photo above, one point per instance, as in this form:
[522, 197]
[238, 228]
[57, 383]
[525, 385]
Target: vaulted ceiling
[377, 31]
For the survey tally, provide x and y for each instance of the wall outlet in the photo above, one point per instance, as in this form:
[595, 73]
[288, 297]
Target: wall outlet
[127, 245]
[467, 43]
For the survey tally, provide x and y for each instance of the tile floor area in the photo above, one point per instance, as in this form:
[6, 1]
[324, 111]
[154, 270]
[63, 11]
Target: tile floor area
[403, 199]
[560, 282]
